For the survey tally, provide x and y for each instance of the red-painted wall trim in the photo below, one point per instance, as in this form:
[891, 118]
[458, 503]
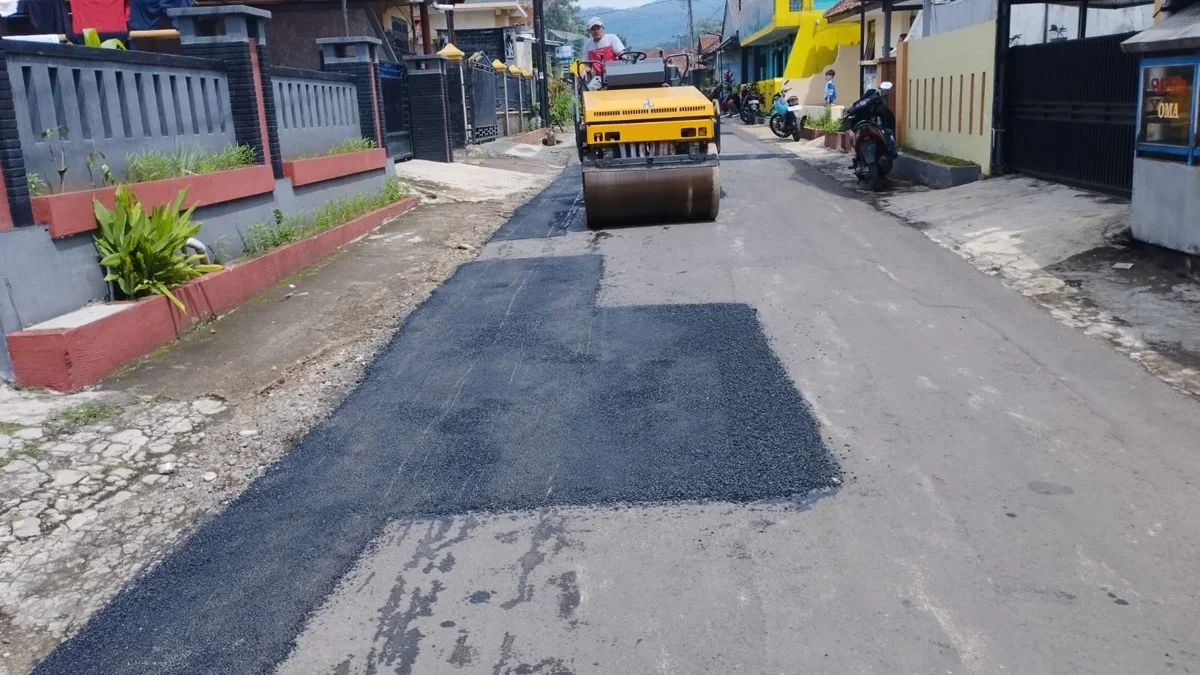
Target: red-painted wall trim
[70, 359]
[317, 169]
[72, 212]
[6, 222]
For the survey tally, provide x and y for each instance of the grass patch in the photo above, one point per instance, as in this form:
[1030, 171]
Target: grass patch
[348, 145]
[262, 237]
[32, 450]
[83, 414]
[824, 123]
[934, 157]
[10, 429]
[189, 161]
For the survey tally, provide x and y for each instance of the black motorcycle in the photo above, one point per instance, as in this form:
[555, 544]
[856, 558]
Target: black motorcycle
[748, 104]
[874, 128]
[784, 122]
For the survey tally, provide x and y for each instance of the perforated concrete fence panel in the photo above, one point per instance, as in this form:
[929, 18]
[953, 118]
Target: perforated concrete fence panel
[314, 110]
[114, 103]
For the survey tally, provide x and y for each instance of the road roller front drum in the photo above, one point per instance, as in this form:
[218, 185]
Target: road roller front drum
[650, 195]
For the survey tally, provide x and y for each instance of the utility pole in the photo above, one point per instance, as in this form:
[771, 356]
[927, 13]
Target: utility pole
[691, 35]
[539, 53]
[346, 18]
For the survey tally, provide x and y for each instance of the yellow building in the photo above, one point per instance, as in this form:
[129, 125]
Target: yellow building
[788, 44]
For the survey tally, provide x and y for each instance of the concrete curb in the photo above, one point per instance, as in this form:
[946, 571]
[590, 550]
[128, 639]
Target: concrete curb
[934, 174]
[530, 137]
[70, 358]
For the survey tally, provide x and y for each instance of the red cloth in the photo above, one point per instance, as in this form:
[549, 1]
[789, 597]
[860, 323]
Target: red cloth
[106, 16]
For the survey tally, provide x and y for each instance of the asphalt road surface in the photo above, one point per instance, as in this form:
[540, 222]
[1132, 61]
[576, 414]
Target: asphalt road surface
[802, 439]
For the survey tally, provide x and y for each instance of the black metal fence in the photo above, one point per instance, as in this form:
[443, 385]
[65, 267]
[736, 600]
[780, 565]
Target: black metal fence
[397, 113]
[1071, 111]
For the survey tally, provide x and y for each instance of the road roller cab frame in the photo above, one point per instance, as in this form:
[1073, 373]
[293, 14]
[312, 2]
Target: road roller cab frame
[649, 150]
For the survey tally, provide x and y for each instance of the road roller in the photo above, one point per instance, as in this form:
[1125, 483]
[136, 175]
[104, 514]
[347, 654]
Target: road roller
[648, 145]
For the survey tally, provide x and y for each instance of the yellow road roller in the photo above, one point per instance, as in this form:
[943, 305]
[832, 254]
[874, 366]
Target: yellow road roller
[649, 146]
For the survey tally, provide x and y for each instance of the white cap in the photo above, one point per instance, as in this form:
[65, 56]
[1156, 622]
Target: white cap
[593, 22]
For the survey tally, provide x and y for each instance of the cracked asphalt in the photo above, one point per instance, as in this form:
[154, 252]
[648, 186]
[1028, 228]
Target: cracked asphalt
[800, 439]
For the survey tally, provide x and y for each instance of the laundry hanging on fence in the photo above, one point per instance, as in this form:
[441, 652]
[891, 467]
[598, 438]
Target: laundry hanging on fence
[106, 16]
[47, 16]
[148, 14]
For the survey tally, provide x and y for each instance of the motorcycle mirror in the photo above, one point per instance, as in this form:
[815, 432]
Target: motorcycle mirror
[886, 86]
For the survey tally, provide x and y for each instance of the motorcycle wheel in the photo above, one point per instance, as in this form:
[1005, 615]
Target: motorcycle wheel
[874, 177]
[778, 125]
[796, 132]
[747, 114]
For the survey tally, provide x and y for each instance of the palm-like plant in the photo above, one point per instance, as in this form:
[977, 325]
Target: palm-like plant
[143, 253]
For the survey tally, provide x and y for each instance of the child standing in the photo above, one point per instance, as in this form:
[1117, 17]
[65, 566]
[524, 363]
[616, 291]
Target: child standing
[830, 90]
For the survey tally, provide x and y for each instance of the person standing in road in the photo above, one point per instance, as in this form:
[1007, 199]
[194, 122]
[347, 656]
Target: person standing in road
[601, 49]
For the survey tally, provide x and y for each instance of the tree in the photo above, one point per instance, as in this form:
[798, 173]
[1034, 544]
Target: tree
[708, 27]
[563, 15]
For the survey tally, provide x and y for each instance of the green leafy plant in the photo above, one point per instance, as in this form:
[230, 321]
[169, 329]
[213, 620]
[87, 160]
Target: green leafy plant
[91, 38]
[562, 104]
[341, 148]
[824, 123]
[185, 161]
[262, 237]
[143, 253]
[37, 186]
[106, 174]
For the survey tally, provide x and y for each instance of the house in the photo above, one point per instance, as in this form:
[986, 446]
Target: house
[788, 44]
[880, 29]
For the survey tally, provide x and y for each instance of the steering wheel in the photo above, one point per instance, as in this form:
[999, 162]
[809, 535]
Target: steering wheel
[632, 57]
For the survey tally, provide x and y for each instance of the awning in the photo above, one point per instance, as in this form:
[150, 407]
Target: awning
[1176, 32]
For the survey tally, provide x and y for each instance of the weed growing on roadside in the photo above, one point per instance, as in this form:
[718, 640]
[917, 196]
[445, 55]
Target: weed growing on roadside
[32, 450]
[82, 414]
[9, 429]
[262, 237]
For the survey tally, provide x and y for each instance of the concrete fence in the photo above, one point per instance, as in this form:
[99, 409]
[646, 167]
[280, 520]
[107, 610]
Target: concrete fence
[314, 110]
[948, 93]
[72, 102]
[222, 91]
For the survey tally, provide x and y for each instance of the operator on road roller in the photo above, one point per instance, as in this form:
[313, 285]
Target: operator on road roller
[649, 145]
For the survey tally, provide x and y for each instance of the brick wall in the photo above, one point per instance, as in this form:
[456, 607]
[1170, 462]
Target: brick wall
[293, 33]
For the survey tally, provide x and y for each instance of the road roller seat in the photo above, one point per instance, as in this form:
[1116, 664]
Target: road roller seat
[626, 75]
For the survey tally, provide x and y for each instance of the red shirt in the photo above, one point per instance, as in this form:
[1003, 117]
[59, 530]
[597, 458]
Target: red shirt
[606, 49]
[106, 16]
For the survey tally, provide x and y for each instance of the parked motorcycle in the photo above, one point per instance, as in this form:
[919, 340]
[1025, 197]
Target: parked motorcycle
[749, 104]
[725, 96]
[874, 138]
[784, 121]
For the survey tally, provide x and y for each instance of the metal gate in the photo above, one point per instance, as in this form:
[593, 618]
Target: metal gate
[1071, 111]
[397, 117]
[483, 89]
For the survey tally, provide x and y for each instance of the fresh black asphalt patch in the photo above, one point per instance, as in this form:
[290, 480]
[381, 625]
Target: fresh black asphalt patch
[508, 389]
[556, 211]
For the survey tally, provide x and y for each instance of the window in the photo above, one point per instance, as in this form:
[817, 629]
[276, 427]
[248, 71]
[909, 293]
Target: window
[795, 5]
[1167, 95]
[869, 52]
